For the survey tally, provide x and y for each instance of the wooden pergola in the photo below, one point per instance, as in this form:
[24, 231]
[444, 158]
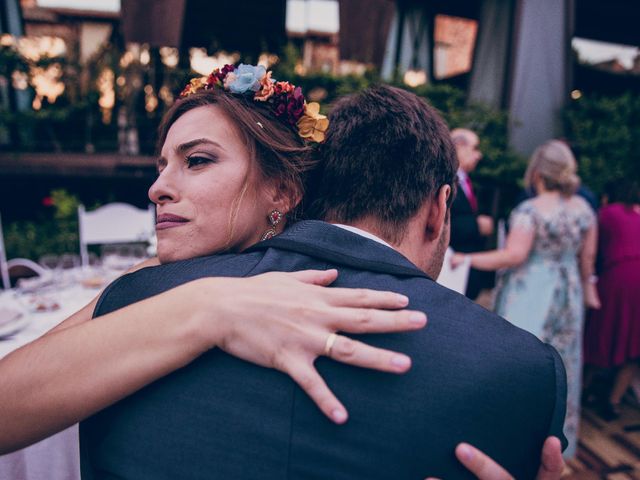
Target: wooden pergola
[522, 60]
[250, 26]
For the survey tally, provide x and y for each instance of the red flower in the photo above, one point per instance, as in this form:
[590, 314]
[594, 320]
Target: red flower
[218, 75]
[289, 105]
[47, 202]
[295, 106]
[282, 87]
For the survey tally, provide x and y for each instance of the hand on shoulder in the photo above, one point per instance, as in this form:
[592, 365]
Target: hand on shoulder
[485, 468]
[287, 320]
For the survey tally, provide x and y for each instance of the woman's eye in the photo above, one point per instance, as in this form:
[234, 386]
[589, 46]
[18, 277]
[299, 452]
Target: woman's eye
[195, 161]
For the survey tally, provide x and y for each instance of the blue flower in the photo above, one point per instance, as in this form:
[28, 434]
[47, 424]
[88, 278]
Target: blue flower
[247, 78]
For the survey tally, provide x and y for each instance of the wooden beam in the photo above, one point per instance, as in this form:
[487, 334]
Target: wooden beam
[77, 164]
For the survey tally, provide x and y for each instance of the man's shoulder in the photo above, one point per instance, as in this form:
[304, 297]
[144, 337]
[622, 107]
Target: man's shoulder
[150, 281]
[457, 325]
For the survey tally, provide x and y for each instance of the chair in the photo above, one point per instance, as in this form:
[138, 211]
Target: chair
[114, 223]
[454, 278]
[17, 267]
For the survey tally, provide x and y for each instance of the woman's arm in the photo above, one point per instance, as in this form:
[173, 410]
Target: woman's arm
[517, 248]
[587, 258]
[278, 320]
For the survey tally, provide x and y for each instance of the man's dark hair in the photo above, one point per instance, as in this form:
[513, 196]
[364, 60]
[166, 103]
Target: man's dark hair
[386, 152]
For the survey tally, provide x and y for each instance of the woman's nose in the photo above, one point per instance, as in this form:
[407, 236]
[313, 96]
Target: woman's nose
[163, 189]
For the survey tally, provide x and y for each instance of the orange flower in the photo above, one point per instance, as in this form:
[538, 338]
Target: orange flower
[312, 124]
[194, 85]
[266, 88]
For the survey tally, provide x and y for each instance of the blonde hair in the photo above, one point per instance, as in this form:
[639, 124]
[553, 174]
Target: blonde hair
[554, 164]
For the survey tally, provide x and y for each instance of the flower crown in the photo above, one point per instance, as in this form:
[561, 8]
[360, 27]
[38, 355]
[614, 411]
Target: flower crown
[286, 100]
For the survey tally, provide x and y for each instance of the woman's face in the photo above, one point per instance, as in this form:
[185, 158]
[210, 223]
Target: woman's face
[209, 193]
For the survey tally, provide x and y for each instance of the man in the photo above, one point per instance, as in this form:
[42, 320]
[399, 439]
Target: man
[387, 168]
[469, 230]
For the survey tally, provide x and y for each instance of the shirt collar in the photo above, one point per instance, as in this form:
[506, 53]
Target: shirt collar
[362, 233]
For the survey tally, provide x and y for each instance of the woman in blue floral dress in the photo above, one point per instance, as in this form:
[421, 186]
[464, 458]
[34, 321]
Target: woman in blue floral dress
[548, 260]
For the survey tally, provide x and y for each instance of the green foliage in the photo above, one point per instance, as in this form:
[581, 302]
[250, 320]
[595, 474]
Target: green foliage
[605, 132]
[11, 61]
[500, 165]
[65, 204]
[56, 234]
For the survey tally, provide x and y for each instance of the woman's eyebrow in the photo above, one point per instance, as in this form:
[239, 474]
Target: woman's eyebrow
[183, 147]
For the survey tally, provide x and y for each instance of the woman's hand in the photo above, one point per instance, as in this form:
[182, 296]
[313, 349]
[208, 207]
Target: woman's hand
[285, 321]
[485, 468]
[457, 259]
[591, 297]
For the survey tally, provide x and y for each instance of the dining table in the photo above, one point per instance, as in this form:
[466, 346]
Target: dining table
[29, 312]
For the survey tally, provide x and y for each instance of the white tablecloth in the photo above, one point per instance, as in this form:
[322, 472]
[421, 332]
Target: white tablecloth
[57, 457]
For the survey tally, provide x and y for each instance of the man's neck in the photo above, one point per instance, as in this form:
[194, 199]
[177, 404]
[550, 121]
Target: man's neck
[411, 245]
[363, 233]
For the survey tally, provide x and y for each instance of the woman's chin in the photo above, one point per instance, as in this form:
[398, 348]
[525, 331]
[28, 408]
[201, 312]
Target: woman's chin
[171, 255]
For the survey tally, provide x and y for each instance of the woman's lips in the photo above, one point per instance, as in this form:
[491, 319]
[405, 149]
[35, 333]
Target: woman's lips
[168, 220]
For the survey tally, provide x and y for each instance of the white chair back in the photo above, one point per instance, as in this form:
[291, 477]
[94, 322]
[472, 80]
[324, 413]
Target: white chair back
[114, 223]
[4, 268]
[30, 265]
[454, 278]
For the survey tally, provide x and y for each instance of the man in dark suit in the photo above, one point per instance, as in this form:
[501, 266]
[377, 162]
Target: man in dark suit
[387, 168]
[469, 230]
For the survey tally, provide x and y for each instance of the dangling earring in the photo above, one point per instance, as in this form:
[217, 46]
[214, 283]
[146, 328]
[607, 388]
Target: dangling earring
[274, 219]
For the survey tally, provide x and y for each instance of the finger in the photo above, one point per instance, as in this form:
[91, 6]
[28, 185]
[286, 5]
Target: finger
[552, 464]
[315, 277]
[363, 297]
[368, 320]
[480, 464]
[312, 383]
[358, 354]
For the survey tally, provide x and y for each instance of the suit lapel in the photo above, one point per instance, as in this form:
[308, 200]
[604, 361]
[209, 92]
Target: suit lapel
[336, 245]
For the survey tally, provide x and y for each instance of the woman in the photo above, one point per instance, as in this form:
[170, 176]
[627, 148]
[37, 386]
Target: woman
[612, 333]
[227, 164]
[549, 255]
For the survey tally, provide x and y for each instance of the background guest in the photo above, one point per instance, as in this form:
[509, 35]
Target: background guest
[612, 333]
[469, 231]
[550, 253]
[582, 191]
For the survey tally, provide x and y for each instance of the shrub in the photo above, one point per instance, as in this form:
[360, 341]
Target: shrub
[605, 134]
[56, 234]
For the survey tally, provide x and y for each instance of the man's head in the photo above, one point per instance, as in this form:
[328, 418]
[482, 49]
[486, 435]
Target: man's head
[388, 164]
[467, 148]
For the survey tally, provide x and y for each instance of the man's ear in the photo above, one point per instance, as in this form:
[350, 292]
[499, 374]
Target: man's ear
[437, 213]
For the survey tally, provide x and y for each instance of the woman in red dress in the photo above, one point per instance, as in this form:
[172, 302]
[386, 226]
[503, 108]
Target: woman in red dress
[612, 334]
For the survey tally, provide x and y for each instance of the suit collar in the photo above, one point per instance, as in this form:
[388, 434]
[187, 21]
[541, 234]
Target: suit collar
[336, 245]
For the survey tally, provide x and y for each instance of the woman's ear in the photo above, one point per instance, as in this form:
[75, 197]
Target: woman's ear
[283, 196]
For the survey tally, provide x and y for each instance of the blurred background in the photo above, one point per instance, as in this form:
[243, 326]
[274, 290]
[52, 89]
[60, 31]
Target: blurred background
[83, 85]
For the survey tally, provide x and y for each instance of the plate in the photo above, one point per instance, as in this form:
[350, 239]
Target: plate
[11, 321]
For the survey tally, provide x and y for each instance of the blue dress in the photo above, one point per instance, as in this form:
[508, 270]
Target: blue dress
[544, 294]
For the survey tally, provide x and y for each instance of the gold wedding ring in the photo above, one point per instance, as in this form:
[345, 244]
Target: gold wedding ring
[331, 339]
